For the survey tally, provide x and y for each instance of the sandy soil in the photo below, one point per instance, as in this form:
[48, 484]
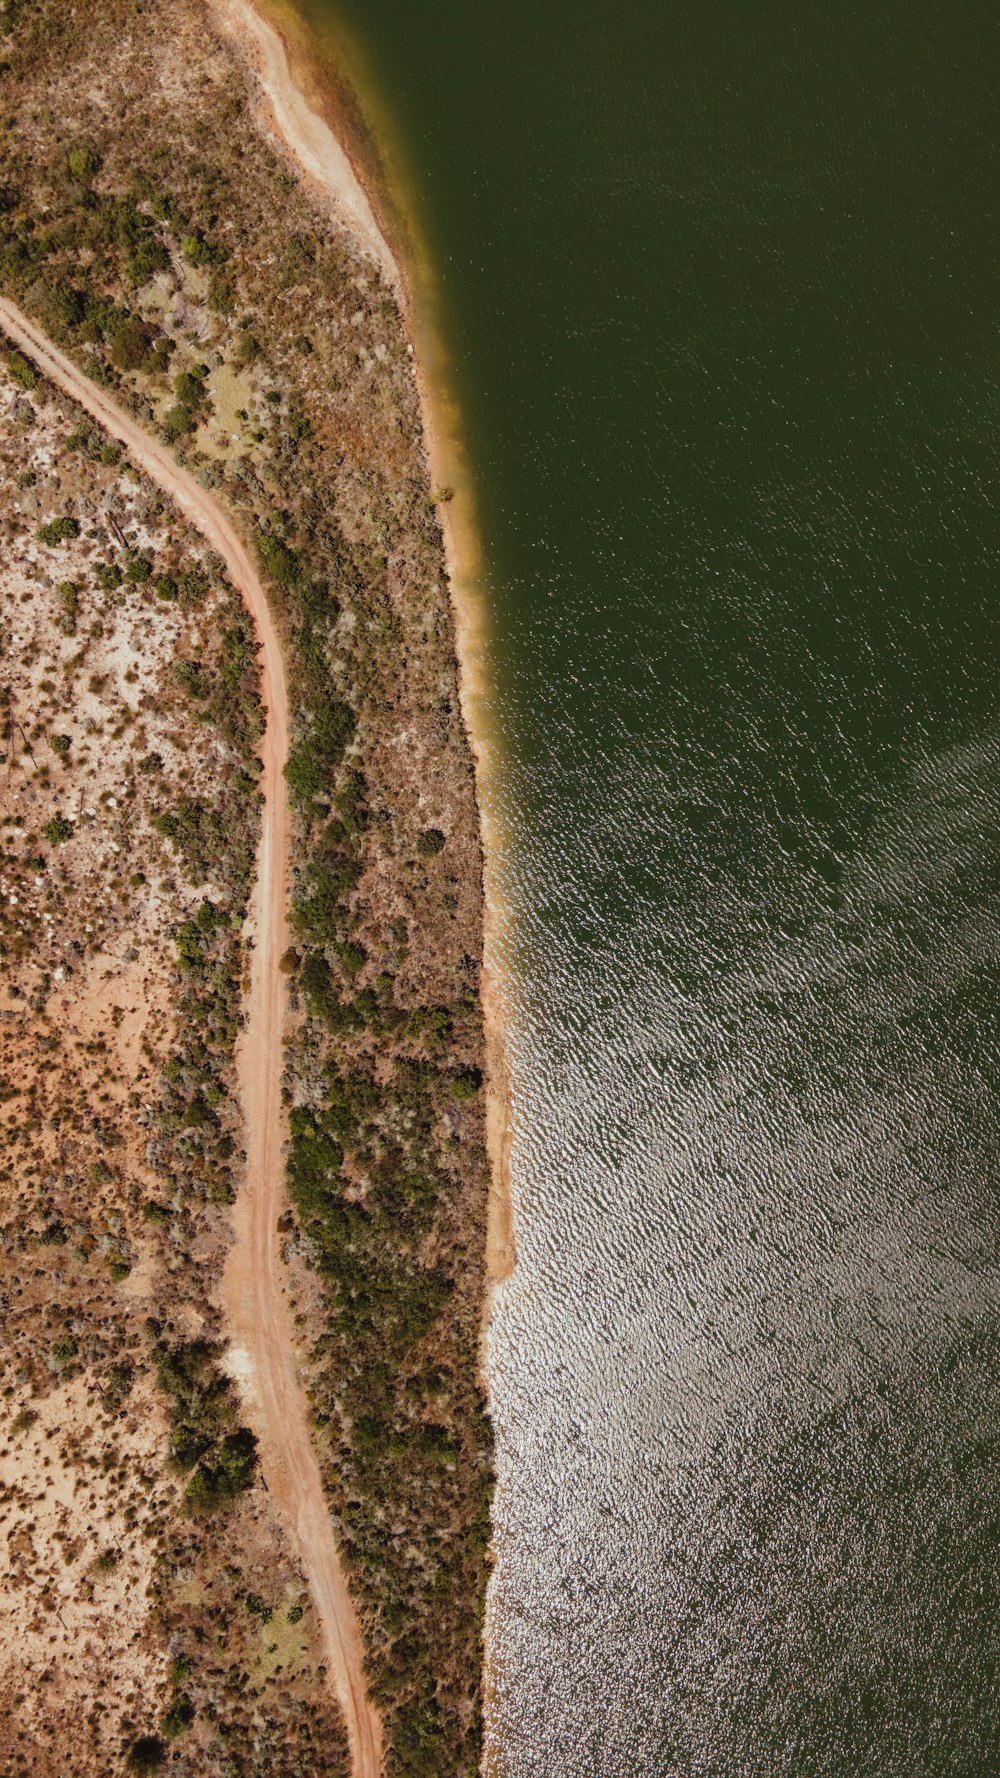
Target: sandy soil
[314, 145]
[264, 1355]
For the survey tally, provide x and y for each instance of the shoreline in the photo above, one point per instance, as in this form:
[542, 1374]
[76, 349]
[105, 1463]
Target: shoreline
[322, 148]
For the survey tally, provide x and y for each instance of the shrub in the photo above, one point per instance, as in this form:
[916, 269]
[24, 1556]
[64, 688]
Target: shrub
[430, 842]
[22, 370]
[178, 1717]
[303, 774]
[131, 343]
[84, 163]
[190, 389]
[59, 744]
[221, 292]
[120, 1380]
[178, 423]
[353, 957]
[58, 531]
[147, 1754]
[61, 309]
[138, 570]
[143, 251]
[218, 1483]
[58, 830]
[196, 249]
[277, 560]
[467, 1084]
[108, 576]
[189, 948]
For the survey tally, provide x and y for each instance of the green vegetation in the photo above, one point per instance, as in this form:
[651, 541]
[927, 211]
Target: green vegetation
[147, 1754]
[22, 371]
[430, 842]
[58, 530]
[222, 1459]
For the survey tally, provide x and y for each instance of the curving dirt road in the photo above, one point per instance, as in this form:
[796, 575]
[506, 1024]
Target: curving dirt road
[263, 1355]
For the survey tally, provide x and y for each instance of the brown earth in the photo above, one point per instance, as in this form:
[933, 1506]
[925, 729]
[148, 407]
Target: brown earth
[259, 1315]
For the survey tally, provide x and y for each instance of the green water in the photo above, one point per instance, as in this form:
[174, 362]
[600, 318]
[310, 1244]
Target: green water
[720, 287]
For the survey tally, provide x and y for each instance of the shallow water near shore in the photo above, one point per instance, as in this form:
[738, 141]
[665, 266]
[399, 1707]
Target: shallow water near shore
[721, 288]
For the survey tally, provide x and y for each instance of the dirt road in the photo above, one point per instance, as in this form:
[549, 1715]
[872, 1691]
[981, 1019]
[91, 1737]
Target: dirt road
[263, 1353]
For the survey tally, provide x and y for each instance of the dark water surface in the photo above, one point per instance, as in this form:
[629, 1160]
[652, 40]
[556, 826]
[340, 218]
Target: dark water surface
[721, 288]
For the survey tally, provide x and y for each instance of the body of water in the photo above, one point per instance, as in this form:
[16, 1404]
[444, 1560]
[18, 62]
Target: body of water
[719, 284]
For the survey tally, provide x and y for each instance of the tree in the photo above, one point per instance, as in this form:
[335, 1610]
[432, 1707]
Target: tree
[58, 530]
[131, 343]
[147, 1754]
[84, 163]
[58, 830]
[22, 370]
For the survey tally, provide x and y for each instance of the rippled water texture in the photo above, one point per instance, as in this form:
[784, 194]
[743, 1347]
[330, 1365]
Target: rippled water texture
[721, 285]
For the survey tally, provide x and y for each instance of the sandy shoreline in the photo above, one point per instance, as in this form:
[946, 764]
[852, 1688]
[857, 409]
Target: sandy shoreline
[302, 121]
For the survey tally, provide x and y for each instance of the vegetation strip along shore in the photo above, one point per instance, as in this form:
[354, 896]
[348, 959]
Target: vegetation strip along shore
[156, 230]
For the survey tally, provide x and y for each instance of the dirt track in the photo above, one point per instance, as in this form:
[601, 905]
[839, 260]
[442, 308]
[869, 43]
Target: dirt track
[260, 1323]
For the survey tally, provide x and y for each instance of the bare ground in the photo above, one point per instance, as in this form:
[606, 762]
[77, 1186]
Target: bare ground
[260, 1319]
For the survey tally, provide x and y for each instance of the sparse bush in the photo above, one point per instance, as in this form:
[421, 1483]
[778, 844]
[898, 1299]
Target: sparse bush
[84, 163]
[178, 1717]
[467, 1084]
[218, 1483]
[131, 343]
[277, 560]
[179, 422]
[22, 370]
[58, 530]
[147, 1754]
[138, 570]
